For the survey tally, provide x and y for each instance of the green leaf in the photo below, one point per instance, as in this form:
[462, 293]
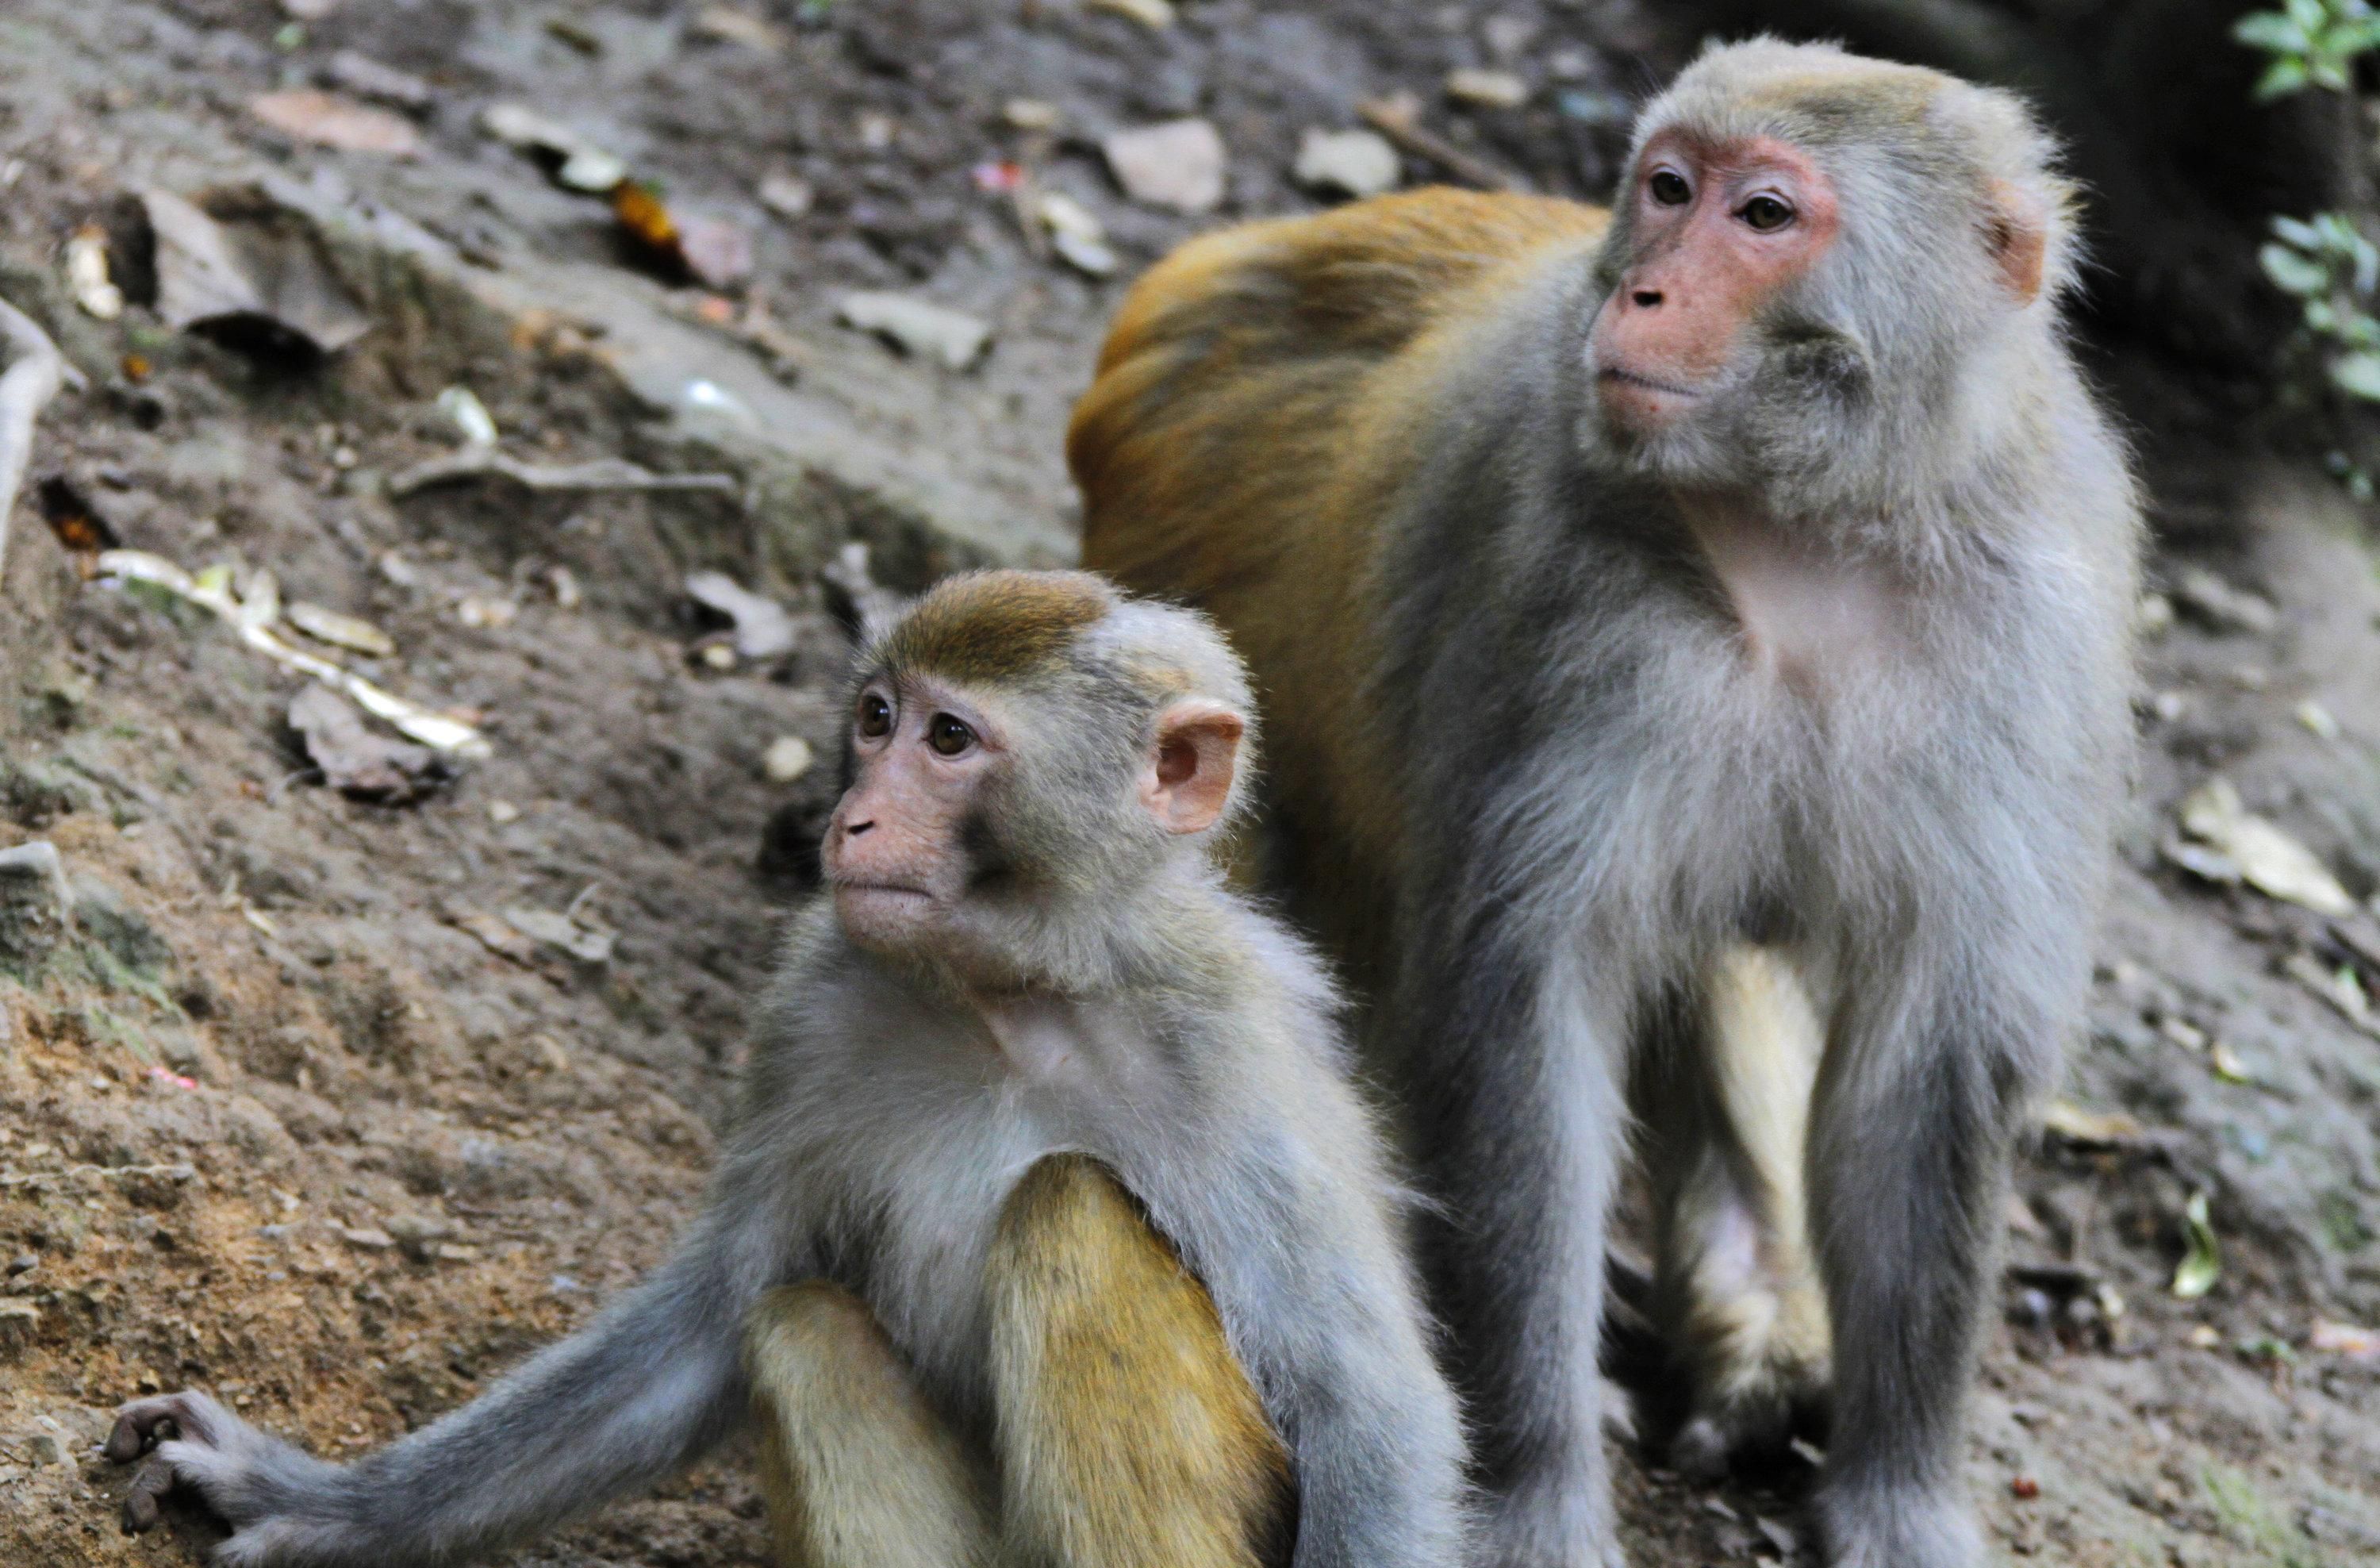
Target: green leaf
[2281, 78]
[2311, 15]
[2270, 30]
[2305, 235]
[2292, 272]
[2358, 374]
[2202, 1261]
[2330, 73]
[2336, 233]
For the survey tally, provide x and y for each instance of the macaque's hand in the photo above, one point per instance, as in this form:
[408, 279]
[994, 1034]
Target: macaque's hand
[249, 1480]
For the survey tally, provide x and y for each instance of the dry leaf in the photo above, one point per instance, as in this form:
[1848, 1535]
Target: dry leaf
[2092, 1129]
[340, 631]
[327, 119]
[354, 760]
[2269, 859]
[2202, 1261]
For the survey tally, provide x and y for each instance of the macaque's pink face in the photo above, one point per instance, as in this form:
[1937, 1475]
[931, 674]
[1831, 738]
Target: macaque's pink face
[895, 851]
[1719, 230]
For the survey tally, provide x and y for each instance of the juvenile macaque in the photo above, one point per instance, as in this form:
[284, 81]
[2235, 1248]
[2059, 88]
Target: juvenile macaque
[1697, 635]
[1051, 1232]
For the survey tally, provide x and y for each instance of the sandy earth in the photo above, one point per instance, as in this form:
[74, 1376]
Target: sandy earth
[274, 1121]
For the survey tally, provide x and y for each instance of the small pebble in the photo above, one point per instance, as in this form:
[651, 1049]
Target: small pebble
[1487, 90]
[787, 759]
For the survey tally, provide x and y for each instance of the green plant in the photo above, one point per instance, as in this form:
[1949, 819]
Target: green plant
[2313, 42]
[2331, 270]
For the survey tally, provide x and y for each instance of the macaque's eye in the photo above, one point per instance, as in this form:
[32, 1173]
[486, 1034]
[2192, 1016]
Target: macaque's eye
[1668, 188]
[875, 716]
[948, 735]
[1765, 213]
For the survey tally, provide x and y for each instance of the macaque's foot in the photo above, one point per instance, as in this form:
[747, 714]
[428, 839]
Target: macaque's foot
[1752, 1424]
[252, 1481]
[1898, 1527]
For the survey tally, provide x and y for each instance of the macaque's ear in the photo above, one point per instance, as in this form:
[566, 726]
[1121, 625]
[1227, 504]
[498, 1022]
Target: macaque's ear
[1187, 780]
[2018, 233]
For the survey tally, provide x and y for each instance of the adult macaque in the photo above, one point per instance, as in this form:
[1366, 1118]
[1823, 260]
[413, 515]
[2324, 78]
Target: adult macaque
[1704, 630]
[1051, 1231]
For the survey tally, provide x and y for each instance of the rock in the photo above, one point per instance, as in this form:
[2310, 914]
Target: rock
[19, 1320]
[763, 630]
[917, 326]
[260, 281]
[1487, 90]
[786, 196]
[717, 252]
[418, 1235]
[371, 1239]
[36, 911]
[102, 915]
[1351, 163]
[1177, 164]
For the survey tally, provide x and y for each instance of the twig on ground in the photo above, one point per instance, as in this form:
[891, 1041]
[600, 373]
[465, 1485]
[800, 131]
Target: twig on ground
[35, 372]
[480, 461]
[1397, 118]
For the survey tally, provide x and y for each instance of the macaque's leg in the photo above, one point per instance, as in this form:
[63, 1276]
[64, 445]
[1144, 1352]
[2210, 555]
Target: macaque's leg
[1738, 1290]
[1130, 1437]
[859, 1472]
[1925, 1084]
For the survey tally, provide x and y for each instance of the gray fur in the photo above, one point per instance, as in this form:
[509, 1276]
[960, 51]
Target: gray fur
[1601, 795]
[880, 1135]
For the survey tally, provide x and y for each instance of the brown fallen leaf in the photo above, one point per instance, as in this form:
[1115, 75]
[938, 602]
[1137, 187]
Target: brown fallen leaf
[356, 761]
[327, 119]
[646, 217]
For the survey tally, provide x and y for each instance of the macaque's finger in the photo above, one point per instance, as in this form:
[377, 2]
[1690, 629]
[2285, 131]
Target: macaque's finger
[155, 1479]
[142, 1422]
[137, 1426]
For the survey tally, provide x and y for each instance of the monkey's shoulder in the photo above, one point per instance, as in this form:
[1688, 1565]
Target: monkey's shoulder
[1363, 278]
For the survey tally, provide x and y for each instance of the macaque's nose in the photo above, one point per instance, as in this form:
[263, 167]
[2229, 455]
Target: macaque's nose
[852, 829]
[1646, 297]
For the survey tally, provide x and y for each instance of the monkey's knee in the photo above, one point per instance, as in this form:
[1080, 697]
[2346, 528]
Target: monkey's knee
[859, 1472]
[1130, 1435]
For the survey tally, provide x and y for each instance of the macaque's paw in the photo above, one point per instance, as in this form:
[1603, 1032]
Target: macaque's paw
[1902, 1527]
[1756, 1428]
[249, 1480]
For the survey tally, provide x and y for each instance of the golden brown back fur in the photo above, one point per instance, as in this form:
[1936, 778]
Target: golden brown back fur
[1254, 412]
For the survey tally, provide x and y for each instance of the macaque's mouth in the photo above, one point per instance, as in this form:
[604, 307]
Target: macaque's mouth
[890, 890]
[1630, 378]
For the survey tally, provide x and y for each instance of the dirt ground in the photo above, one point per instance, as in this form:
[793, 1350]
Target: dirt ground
[278, 1119]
